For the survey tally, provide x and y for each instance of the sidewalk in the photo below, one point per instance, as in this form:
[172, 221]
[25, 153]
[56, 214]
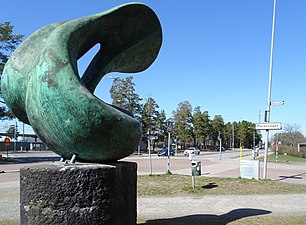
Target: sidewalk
[291, 173]
[226, 167]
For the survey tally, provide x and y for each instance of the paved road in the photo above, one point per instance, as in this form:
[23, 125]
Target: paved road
[212, 166]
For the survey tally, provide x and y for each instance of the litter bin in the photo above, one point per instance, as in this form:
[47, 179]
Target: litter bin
[196, 168]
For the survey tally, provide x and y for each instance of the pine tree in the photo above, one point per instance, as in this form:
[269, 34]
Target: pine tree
[8, 43]
[183, 122]
[124, 95]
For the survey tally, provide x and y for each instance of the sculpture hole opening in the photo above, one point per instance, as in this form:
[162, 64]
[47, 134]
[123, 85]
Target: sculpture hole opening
[85, 60]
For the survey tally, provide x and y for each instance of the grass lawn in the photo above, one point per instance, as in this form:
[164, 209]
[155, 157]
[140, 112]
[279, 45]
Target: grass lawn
[284, 159]
[181, 185]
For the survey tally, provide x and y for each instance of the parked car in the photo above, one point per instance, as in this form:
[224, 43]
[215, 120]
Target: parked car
[164, 152]
[222, 149]
[192, 150]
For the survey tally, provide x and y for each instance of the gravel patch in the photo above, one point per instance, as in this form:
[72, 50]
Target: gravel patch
[218, 205]
[179, 206]
[9, 204]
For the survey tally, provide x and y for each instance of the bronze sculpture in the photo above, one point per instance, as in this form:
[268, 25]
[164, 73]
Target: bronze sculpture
[42, 87]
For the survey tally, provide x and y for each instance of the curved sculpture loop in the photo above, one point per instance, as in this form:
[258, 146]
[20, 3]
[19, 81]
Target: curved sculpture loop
[42, 87]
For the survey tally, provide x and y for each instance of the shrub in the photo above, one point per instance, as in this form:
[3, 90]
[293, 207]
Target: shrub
[292, 151]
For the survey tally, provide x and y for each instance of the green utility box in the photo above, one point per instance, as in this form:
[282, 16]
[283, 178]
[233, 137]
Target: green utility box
[196, 168]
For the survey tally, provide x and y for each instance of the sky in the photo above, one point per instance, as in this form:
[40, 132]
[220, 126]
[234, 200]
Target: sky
[215, 54]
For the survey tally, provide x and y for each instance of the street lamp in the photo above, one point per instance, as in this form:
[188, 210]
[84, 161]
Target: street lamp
[267, 113]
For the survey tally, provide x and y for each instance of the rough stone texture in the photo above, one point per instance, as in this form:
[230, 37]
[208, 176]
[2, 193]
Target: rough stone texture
[42, 87]
[78, 194]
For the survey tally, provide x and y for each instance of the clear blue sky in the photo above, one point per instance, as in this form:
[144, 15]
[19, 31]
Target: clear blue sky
[215, 53]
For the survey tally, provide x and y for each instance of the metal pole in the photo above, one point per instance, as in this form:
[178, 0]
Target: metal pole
[220, 140]
[220, 148]
[233, 136]
[269, 92]
[150, 160]
[15, 137]
[254, 139]
[22, 147]
[168, 162]
[193, 181]
[276, 152]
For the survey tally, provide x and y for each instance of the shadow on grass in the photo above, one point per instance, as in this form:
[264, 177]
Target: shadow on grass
[210, 186]
[208, 219]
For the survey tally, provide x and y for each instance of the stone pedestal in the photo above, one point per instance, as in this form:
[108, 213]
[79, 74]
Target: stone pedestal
[78, 194]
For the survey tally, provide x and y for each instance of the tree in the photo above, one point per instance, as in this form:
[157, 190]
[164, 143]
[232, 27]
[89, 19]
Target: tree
[149, 116]
[124, 95]
[149, 119]
[8, 43]
[183, 122]
[291, 135]
[12, 132]
[217, 126]
[246, 134]
[202, 127]
[207, 128]
[198, 126]
[228, 135]
[162, 125]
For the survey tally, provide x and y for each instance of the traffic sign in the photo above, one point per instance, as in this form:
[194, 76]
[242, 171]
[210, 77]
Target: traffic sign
[170, 126]
[269, 126]
[277, 103]
[7, 141]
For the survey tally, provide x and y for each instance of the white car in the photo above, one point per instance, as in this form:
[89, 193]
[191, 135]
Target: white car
[192, 150]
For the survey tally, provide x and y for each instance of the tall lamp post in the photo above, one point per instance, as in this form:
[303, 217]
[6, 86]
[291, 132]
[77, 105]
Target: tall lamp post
[267, 113]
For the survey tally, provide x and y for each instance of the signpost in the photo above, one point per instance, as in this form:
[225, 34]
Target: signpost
[169, 130]
[269, 126]
[7, 143]
[220, 148]
[151, 137]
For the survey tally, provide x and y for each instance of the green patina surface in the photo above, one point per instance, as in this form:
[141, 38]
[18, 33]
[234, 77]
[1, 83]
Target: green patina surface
[42, 87]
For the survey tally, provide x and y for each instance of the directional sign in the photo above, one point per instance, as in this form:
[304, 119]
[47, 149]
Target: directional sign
[153, 137]
[277, 103]
[269, 126]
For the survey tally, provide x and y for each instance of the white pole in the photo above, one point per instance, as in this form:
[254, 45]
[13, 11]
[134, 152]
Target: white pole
[150, 160]
[168, 162]
[22, 147]
[193, 181]
[233, 145]
[15, 137]
[269, 91]
[220, 148]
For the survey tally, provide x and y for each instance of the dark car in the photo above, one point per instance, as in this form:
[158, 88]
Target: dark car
[164, 152]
